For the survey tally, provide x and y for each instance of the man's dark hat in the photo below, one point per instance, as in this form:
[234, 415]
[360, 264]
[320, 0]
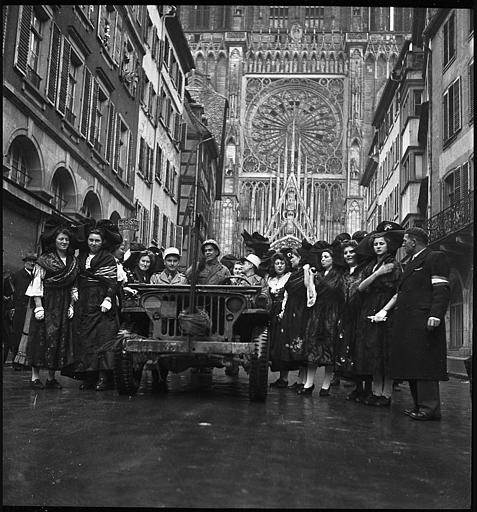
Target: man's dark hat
[30, 256]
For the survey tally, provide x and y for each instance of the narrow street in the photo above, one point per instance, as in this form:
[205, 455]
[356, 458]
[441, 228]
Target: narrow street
[208, 446]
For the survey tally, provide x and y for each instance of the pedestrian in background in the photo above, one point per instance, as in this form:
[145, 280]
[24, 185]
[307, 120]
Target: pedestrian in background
[322, 329]
[53, 291]
[418, 349]
[171, 274]
[379, 284]
[279, 274]
[14, 290]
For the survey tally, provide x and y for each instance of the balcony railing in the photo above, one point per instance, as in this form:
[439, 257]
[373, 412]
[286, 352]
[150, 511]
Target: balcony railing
[20, 176]
[454, 218]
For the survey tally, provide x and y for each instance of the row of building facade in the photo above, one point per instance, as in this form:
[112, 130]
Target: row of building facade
[295, 121]
[420, 167]
[98, 123]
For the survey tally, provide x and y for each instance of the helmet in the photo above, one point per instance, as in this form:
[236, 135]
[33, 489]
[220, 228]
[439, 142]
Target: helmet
[209, 241]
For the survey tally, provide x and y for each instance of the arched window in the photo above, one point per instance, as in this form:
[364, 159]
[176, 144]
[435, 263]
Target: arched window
[63, 190]
[91, 206]
[24, 162]
[114, 217]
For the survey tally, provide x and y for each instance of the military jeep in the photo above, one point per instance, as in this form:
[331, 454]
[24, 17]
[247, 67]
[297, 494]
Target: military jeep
[238, 333]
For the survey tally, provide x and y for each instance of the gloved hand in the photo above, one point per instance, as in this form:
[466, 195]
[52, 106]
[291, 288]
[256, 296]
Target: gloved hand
[71, 312]
[74, 294]
[39, 312]
[105, 305]
[380, 316]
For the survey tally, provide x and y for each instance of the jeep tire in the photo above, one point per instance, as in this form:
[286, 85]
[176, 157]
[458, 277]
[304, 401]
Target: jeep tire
[258, 373]
[126, 379]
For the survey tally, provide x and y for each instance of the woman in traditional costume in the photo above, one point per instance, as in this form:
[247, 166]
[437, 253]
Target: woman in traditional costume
[53, 293]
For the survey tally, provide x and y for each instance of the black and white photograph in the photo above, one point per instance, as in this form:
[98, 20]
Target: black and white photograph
[238, 256]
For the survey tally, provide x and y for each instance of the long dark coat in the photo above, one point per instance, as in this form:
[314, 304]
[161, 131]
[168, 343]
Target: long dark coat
[417, 353]
[373, 340]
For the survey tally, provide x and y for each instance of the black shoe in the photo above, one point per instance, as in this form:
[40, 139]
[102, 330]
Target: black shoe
[37, 384]
[335, 381]
[86, 384]
[296, 386]
[408, 412]
[279, 383]
[382, 401]
[305, 391]
[324, 392]
[371, 400]
[424, 416]
[353, 395]
[53, 384]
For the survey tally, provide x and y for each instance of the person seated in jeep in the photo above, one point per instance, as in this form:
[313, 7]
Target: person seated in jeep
[250, 267]
[171, 274]
[210, 270]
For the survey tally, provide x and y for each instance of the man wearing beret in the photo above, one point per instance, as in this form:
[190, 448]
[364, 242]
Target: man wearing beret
[418, 348]
[16, 287]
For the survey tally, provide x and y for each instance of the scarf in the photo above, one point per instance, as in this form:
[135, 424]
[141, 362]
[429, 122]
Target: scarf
[58, 274]
[102, 267]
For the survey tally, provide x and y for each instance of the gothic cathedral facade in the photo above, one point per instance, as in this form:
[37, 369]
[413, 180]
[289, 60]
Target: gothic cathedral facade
[302, 83]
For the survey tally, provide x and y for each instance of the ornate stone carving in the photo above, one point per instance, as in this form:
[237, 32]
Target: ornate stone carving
[294, 123]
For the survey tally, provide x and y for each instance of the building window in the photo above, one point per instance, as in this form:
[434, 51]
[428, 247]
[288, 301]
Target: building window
[165, 224]
[88, 11]
[456, 185]
[19, 172]
[456, 315]
[278, 16]
[202, 16]
[71, 90]
[158, 168]
[98, 125]
[449, 40]
[155, 224]
[471, 92]
[123, 151]
[223, 16]
[31, 28]
[417, 101]
[452, 119]
[315, 16]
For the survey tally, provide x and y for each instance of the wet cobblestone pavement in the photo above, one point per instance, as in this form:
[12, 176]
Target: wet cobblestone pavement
[207, 446]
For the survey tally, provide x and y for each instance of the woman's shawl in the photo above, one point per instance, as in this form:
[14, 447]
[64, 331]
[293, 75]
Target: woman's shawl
[58, 274]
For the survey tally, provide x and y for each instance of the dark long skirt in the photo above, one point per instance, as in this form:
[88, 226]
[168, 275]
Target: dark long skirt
[49, 343]
[92, 329]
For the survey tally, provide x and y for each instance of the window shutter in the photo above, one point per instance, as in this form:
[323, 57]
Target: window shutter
[110, 138]
[456, 120]
[54, 64]
[64, 77]
[446, 116]
[94, 104]
[86, 102]
[158, 162]
[451, 36]
[457, 185]
[172, 234]
[23, 38]
[130, 158]
[179, 237]
[177, 128]
[446, 43]
[5, 16]
[141, 155]
[465, 180]
[118, 38]
[117, 149]
[150, 163]
[155, 225]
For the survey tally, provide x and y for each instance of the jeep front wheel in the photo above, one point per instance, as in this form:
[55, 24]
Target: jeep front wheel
[126, 379]
[258, 373]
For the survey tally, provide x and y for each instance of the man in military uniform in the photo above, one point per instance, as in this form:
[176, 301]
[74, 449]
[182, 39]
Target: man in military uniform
[210, 270]
[171, 274]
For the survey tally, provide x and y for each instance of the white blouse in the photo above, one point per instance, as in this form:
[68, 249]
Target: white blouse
[277, 282]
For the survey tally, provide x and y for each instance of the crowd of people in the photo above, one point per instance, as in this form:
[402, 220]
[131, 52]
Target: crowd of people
[349, 306]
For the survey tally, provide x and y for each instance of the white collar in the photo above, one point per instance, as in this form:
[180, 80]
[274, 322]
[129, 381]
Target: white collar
[417, 253]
